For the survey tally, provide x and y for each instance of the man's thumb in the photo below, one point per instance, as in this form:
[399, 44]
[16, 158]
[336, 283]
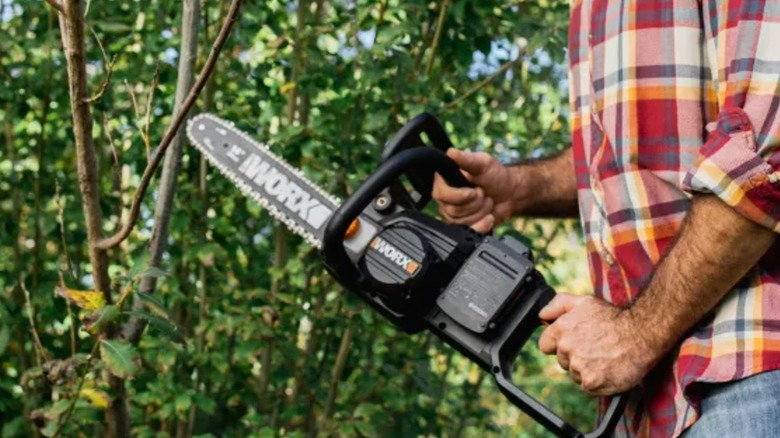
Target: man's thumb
[475, 163]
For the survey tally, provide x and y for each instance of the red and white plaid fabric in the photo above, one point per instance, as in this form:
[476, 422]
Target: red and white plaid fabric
[671, 98]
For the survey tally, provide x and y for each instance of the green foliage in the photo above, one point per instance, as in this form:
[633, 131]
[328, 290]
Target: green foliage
[120, 357]
[164, 325]
[100, 320]
[263, 322]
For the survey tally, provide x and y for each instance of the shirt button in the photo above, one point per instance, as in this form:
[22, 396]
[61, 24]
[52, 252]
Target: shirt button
[608, 258]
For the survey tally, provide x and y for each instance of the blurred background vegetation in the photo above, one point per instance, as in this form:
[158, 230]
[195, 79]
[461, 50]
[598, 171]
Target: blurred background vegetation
[272, 347]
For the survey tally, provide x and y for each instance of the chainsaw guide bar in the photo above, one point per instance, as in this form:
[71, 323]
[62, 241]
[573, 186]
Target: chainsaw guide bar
[278, 187]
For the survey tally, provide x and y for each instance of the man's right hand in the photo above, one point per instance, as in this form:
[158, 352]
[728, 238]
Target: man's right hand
[482, 207]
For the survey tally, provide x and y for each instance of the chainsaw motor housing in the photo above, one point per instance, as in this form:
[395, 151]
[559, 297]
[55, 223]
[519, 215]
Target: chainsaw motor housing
[478, 293]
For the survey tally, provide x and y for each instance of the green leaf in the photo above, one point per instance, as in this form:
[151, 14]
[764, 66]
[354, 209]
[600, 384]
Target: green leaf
[113, 27]
[182, 403]
[365, 410]
[266, 432]
[5, 336]
[120, 357]
[328, 43]
[286, 298]
[139, 265]
[347, 429]
[164, 325]
[154, 272]
[154, 304]
[97, 321]
[205, 404]
[366, 429]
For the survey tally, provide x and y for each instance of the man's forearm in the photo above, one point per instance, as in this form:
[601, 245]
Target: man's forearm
[546, 187]
[715, 248]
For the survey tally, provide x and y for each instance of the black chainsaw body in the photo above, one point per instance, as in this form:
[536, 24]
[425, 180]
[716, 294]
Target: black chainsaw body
[479, 294]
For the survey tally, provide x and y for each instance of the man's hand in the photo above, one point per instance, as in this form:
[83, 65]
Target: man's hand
[596, 342]
[541, 188]
[483, 207]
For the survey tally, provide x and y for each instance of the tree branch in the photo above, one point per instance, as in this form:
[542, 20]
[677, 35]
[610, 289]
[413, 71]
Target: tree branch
[108, 67]
[338, 368]
[105, 84]
[63, 419]
[56, 5]
[31, 317]
[167, 185]
[437, 36]
[480, 85]
[148, 114]
[128, 226]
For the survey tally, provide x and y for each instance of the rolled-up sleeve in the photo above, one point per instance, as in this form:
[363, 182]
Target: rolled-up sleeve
[740, 160]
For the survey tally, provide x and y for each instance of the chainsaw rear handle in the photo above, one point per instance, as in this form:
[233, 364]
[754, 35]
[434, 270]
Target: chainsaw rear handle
[415, 158]
[503, 356]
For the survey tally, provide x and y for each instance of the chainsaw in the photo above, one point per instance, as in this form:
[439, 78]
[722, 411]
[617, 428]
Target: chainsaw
[478, 293]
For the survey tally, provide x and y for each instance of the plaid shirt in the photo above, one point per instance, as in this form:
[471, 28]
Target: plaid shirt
[670, 98]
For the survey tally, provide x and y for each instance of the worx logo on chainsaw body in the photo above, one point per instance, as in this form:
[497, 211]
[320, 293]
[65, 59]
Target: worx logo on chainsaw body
[395, 255]
[287, 193]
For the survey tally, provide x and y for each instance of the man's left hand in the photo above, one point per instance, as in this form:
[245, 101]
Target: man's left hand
[598, 343]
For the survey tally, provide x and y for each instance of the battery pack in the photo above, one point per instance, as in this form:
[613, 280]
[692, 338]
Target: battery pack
[489, 282]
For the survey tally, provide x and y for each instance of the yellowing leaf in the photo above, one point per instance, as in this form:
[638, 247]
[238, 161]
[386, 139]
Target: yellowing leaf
[473, 375]
[98, 398]
[86, 299]
[284, 89]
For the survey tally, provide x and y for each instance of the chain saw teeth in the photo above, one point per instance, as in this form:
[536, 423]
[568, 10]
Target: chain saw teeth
[230, 166]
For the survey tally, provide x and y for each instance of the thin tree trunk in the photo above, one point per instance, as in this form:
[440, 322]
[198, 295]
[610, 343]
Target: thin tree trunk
[470, 393]
[338, 368]
[36, 267]
[9, 141]
[8, 129]
[327, 350]
[208, 103]
[311, 344]
[72, 30]
[297, 61]
[280, 240]
[266, 355]
[72, 27]
[167, 186]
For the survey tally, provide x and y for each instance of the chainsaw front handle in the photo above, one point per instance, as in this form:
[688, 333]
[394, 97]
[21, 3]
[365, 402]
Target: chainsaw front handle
[417, 159]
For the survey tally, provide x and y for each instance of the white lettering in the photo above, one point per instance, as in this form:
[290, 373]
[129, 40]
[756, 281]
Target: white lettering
[285, 192]
[235, 153]
[275, 183]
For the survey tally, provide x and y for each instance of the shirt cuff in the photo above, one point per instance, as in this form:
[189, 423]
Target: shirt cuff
[730, 167]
